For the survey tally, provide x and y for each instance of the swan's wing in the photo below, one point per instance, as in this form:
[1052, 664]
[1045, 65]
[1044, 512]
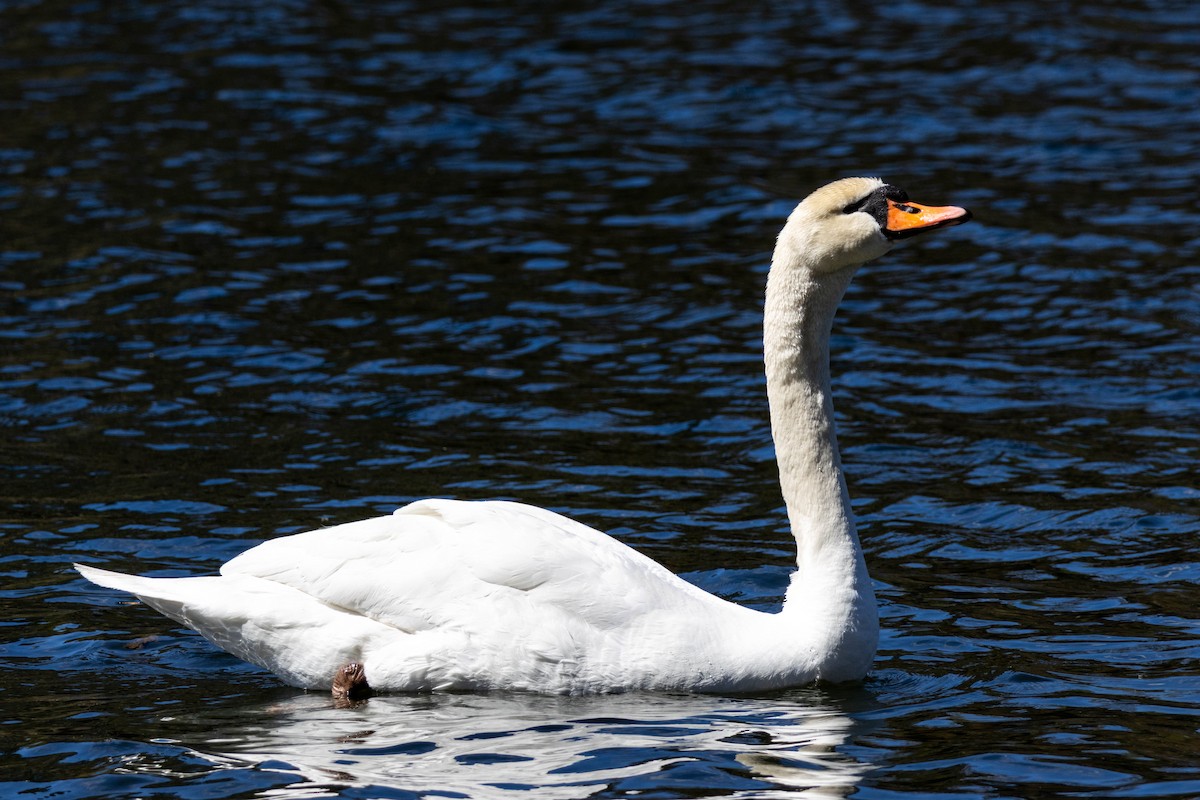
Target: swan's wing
[472, 566]
[476, 595]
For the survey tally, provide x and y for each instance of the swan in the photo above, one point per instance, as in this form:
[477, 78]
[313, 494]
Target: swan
[474, 596]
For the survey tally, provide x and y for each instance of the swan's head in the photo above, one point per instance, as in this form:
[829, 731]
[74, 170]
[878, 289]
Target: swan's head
[851, 221]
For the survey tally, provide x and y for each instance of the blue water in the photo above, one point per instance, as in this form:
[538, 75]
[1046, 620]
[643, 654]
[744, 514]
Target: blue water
[269, 266]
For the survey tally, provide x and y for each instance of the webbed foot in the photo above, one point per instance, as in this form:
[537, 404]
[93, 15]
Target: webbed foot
[350, 685]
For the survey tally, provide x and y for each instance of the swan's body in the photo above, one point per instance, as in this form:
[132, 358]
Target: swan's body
[446, 594]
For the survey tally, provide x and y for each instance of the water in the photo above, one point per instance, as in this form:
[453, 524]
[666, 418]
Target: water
[266, 266]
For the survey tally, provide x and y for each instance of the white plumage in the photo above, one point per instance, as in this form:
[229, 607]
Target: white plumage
[445, 594]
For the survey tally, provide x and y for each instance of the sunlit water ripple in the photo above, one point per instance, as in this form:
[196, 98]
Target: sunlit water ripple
[270, 266]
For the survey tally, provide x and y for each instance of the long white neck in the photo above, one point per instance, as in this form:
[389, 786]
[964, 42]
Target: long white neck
[831, 596]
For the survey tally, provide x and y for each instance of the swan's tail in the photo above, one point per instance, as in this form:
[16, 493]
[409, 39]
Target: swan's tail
[296, 636]
[115, 580]
[169, 596]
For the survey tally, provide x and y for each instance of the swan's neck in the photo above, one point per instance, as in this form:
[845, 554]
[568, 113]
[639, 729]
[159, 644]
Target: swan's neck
[831, 587]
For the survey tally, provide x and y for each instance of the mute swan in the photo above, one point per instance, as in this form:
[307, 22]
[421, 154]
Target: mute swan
[444, 594]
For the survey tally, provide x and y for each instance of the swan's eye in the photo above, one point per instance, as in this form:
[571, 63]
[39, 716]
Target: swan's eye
[856, 205]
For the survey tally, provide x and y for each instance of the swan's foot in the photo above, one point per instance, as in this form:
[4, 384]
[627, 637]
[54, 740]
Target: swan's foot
[350, 685]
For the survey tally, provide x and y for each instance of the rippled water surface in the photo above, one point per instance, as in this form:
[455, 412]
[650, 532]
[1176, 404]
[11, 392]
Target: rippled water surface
[267, 266]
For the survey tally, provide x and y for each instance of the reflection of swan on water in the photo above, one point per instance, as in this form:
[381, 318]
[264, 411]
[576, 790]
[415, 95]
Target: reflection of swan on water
[560, 747]
[453, 595]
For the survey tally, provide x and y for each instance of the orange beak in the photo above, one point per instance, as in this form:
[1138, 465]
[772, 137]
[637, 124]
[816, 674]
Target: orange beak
[906, 219]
